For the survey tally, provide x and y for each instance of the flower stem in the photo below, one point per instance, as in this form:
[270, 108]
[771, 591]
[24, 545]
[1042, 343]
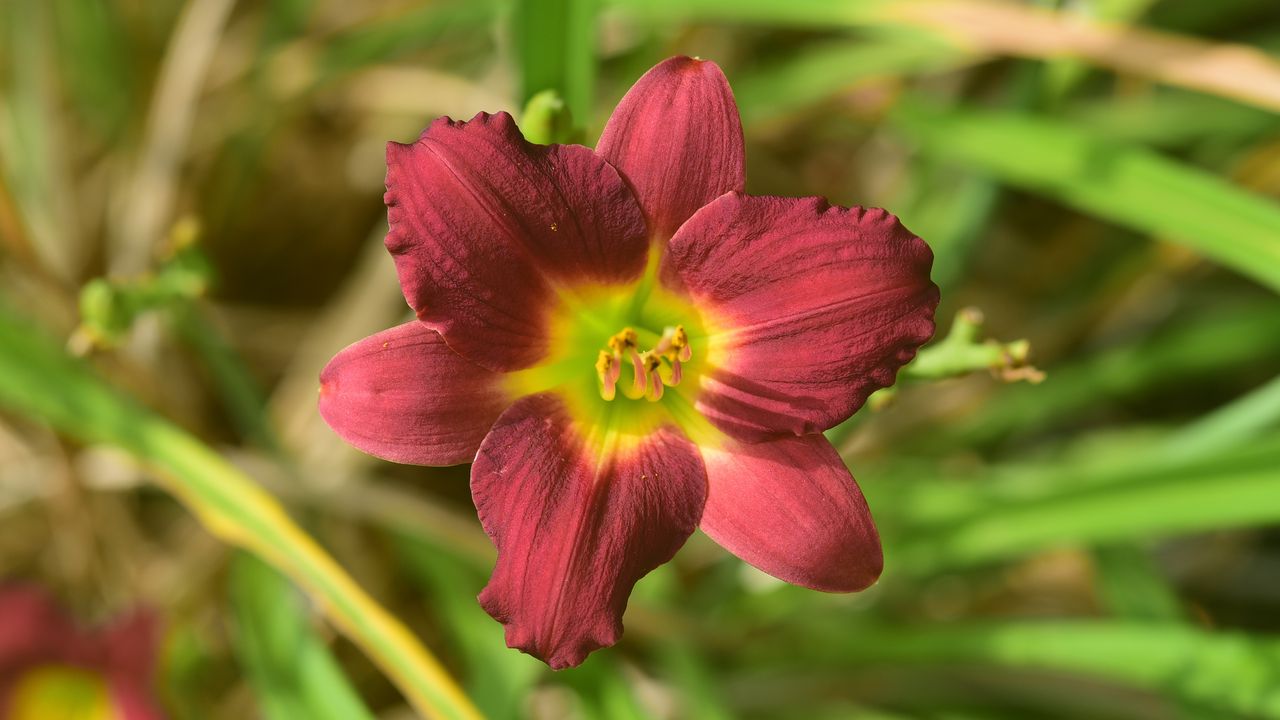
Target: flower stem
[961, 353]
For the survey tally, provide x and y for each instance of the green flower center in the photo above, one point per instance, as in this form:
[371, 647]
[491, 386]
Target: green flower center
[625, 358]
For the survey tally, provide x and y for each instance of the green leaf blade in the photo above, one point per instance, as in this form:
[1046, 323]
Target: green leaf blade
[1127, 185]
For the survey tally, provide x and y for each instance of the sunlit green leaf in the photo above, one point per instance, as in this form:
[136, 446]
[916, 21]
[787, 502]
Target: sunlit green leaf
[556, 44]
[500, 678]
[288, 664]
[1132, 587]
[786, 85]
[1128, 495]
[1124, 184]
[1226, 671]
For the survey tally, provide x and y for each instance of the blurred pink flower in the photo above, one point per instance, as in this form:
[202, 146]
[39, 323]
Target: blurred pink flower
[51, 668]
[629, 347]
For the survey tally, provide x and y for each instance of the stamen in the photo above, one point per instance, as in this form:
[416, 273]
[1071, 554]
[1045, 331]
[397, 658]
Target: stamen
[637, 364]
[655, 387]
[664, 343]
[674, 344]
[615, 369]
[607, 370]
[652, 361]
[680, 341]
[648, 381]
[622, 341]
[679, 338]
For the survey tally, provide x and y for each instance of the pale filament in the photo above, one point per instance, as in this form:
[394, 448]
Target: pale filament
[647, 382]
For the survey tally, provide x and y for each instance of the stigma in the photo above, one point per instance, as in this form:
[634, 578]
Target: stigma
[652, 370]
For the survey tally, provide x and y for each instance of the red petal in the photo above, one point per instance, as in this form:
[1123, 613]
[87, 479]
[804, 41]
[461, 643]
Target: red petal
[133, 701]
[130, 646]
[677, 139]
[817, 307]
[483, 224]
[33, 628]
[791, 508]
[403, 395]
[576, 529]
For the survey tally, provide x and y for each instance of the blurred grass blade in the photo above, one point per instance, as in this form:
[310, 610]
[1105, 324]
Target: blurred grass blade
[238, 389]
[93, 42]
[950, 207]
[1173, 118]
[283, 21]
[185, 670]
[824, 14]
[1063, 76]
[1131, 586]
[288, 665]
[152, 195]
[1240, 421]
[31, 157]
[1125, 496]
[1128, 185]
[1207, 18]
[556, 50]
[815, 74]
[605, 692]
[1224, 671]
[996, 27]
[401, 33]
[38, 380]
[693, 675]
[500, 679]
[685, 663]
[1237, 71]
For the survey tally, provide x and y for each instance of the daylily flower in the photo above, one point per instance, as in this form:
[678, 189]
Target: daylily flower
[628, 348]
[52, 669]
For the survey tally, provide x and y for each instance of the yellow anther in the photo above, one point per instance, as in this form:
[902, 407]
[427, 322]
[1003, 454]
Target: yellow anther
[674, 344]
[679, 338]
[681, 344]
[652, 370]
[622, 341]
[651, 361]
[607, 371]
[604, 363]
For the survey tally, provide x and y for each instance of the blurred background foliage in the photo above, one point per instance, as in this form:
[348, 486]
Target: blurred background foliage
[191, 224]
